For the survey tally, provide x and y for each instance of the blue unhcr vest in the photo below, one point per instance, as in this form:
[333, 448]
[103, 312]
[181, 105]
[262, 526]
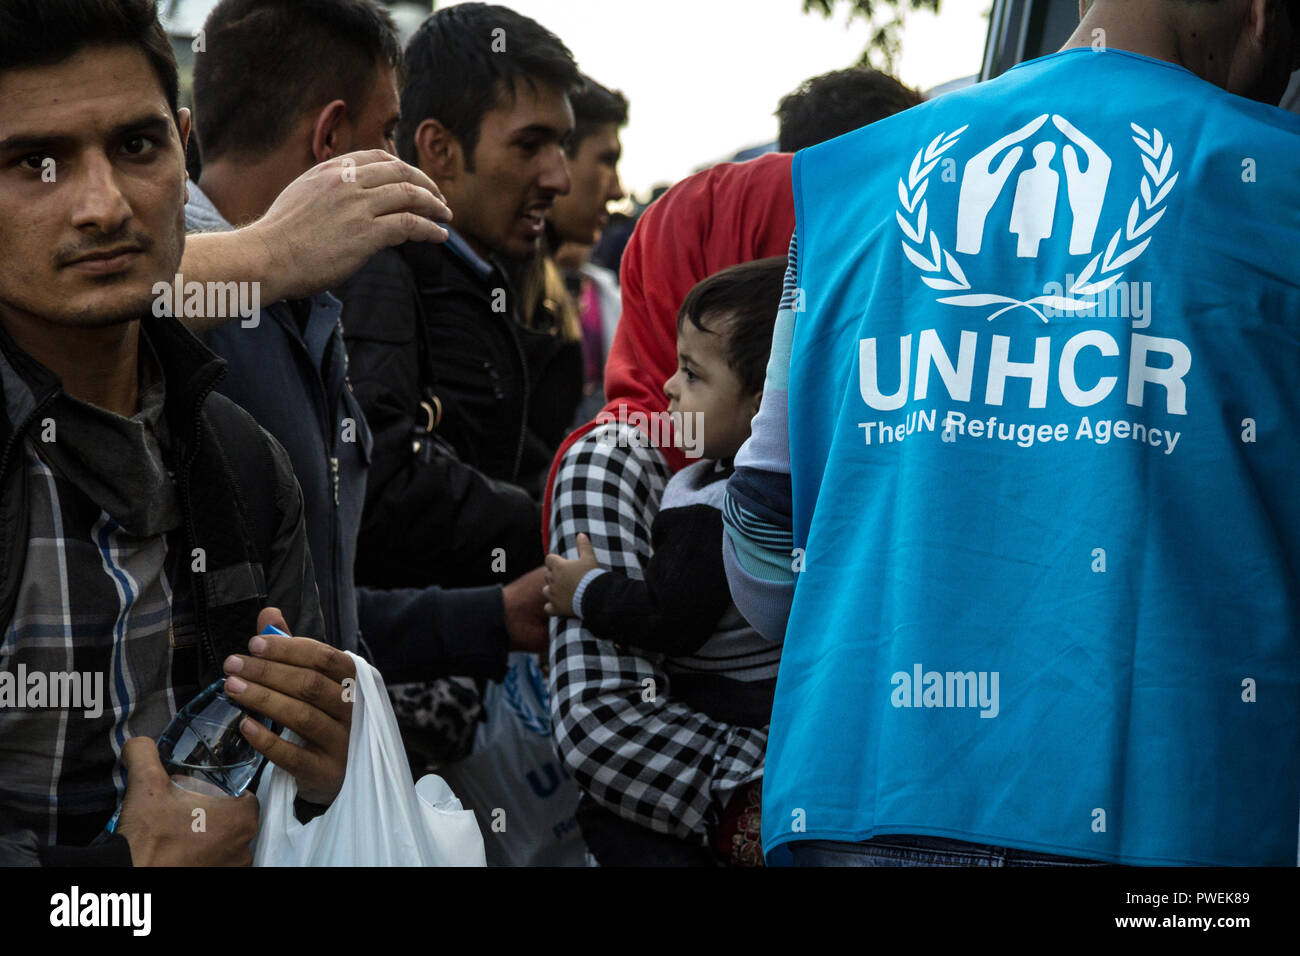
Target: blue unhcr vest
[1044, 401]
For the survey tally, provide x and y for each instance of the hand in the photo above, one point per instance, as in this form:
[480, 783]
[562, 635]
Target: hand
[526, 620]
[329, 221]
[981, 185]
[297, 682]
[159, 822]
[563, 577]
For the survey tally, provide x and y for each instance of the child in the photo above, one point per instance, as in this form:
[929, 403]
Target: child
[682, 609]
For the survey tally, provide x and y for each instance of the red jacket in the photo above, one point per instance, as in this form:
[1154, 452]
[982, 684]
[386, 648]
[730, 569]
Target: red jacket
[731, 213]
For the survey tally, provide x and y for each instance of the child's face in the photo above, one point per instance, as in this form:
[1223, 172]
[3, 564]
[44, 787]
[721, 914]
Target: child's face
[704, 385]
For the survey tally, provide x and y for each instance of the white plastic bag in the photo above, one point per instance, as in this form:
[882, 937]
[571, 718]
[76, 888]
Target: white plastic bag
[379, 818]
[514, 781]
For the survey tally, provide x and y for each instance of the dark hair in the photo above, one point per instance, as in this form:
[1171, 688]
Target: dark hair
[595, 106]
[51, 31]
[836, 103]
[267, 62]
[465, 60]
[741, 302]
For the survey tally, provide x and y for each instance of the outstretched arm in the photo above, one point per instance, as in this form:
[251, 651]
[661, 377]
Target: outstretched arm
[321, 229]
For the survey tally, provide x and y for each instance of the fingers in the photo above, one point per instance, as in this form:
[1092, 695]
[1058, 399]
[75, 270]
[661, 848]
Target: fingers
[303, 700]
[141, 762]
[523, 596]
[302, 652]
[296, 682]
[302, 763]
[271, 617]
[406, 197]
[399, 227]
[585, 550]
[380, 169]
[315, 725]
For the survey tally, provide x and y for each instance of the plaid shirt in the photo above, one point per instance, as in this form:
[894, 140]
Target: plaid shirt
[95, 600]
[96, 603]
[102, 590]
[654, 762]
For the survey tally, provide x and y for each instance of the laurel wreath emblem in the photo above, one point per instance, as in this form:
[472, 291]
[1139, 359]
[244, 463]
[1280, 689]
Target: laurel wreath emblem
[941, 270]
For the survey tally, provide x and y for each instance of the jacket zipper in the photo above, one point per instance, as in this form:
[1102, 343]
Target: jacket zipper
[512, 330]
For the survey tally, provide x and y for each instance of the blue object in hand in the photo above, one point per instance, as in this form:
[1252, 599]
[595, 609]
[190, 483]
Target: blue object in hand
[203, 749]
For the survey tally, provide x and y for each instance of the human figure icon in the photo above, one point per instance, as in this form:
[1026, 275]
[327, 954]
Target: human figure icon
[1033, 212]
[981, 185]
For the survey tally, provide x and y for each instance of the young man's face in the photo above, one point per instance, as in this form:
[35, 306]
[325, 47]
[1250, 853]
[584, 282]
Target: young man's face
[706, 386]
[582, 214]
[519, 170]
[92, 188]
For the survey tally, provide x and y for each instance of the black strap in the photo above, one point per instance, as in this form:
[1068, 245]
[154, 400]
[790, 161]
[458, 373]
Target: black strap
[229, 495]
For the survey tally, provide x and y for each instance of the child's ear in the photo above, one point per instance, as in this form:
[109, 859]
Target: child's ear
[757, 403]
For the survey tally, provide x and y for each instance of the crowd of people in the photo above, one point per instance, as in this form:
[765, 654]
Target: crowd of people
[794, 601]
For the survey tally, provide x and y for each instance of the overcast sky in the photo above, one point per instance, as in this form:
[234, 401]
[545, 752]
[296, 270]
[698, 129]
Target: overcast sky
[704, 76]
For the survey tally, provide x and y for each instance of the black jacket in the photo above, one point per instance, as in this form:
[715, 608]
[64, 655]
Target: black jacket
[442, 507]
[508, 392]
[239, 502]
[289, 371]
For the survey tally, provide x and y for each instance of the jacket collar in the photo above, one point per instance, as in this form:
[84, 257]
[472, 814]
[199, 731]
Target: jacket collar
[190, 370]
[461, 249]
[441, 266]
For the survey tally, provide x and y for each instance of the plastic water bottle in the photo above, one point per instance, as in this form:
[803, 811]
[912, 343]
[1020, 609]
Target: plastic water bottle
[203, 749]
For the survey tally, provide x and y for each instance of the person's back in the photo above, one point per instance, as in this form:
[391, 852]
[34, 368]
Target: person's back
[1040, 409]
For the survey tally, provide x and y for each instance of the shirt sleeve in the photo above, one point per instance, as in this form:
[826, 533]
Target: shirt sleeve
[420, 634]
[758, 512]
[649, 759]
[676, 608]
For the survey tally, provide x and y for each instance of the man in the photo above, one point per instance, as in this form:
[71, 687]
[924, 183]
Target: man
[576, 224]
[439, 355]
[146, 523]
[1035, 503]
[594, 151]
[288, 369]
[836, 103]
